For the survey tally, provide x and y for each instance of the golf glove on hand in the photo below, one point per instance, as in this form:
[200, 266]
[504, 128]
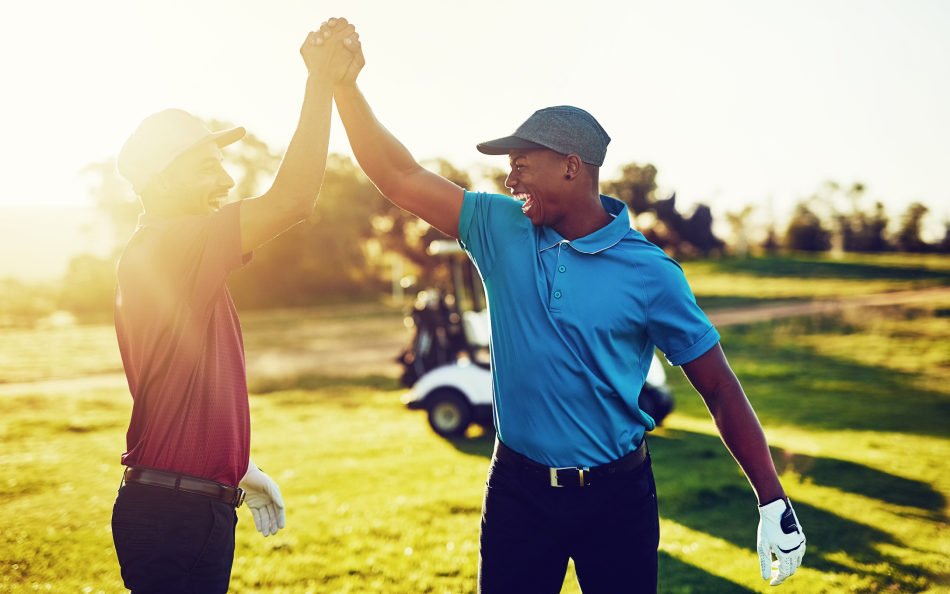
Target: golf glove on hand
[779, 533]
[262, 496]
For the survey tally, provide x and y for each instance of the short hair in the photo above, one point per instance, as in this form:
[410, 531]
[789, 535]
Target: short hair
[593, 172]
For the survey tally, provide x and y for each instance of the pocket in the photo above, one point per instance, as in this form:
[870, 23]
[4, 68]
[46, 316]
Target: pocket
[501, 477]
[134, 529]
[216, 552]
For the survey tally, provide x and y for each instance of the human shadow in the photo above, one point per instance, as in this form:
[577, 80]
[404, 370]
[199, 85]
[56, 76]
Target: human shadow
[700, 486]
[678, 577]
[483, 445]
[856, 478]
[790, 384]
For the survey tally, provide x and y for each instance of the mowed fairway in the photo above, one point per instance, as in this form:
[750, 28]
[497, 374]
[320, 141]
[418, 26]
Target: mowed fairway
[856, 406]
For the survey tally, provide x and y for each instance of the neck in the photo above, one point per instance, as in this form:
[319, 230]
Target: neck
[590, 216]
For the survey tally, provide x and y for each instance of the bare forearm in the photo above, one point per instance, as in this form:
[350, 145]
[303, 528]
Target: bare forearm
[381, 156]
[738, 426]
[742, 433]
[301, 172]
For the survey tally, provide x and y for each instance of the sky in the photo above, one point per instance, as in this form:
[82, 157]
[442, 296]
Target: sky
[736, 103]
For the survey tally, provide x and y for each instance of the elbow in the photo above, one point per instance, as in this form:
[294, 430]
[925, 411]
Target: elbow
[304, 208]
[298, 207]
[393, 186]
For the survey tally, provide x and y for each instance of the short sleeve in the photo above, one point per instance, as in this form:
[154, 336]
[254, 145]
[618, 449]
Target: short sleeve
[199, 253]
[675, 323]
[488, 223]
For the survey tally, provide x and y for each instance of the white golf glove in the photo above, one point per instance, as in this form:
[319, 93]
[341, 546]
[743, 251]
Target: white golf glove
[779, 533]
[262, 496]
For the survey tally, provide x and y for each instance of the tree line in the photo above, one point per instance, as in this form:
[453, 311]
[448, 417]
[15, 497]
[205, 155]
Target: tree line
[345, 250]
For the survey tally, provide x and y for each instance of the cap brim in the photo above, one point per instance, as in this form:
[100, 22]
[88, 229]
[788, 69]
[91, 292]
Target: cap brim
[501, 146]
[226, 137]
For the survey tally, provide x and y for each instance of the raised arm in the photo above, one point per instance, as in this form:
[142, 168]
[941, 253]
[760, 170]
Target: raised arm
[291, 198]
[387, 162]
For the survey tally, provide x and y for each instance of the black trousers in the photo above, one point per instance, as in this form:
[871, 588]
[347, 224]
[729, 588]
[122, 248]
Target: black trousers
[173, 541]
[529, 532]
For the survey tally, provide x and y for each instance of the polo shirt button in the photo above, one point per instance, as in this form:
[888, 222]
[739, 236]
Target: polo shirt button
[557, 294]
[561, 268]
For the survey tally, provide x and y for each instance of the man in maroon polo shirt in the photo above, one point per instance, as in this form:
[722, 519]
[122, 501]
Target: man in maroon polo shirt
[189, 437]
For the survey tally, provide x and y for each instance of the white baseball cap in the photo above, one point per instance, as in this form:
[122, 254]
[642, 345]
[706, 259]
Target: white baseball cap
[160, 138]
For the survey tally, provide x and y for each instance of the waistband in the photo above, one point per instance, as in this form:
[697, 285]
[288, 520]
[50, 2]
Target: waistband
[168, 479]
[571, 476]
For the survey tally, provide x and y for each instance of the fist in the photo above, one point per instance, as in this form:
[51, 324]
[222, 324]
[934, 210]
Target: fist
[325, 53]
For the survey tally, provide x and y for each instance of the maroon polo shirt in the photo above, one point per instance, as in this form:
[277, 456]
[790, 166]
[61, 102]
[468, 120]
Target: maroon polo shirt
[181, 346]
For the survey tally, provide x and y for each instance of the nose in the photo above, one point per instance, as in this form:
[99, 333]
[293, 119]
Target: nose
[511, 181]
[225, 180]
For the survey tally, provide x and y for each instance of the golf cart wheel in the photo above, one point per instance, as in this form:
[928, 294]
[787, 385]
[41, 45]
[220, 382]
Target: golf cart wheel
[449, 412]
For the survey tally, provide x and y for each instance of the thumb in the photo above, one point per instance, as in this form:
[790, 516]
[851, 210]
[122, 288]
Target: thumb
[358, 61]
[273, 491]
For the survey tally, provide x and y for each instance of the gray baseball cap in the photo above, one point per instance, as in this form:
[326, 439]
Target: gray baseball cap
[563, 129]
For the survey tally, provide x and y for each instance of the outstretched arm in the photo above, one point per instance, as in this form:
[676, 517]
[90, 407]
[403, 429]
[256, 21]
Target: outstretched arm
[387, 162]
[291, 198]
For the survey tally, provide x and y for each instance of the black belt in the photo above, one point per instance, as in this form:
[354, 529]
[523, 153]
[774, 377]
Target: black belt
[184, 482]
[571, 476]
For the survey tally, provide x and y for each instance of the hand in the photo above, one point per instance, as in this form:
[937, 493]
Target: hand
[779, 533]
[352, 43]
[262, 496]
[323, 51]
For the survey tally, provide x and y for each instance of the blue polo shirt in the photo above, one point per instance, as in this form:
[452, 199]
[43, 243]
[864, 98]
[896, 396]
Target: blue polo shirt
[573, 329]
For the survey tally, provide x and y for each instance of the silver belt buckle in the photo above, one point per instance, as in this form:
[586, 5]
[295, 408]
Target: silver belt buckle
[580, 472]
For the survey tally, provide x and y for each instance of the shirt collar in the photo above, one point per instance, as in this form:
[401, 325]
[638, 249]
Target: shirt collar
[597, 241]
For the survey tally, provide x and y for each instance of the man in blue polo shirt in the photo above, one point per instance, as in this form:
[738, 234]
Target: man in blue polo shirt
[578, 301]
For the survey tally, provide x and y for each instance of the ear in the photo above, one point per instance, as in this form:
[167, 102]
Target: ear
[161, 185]
[572, 166]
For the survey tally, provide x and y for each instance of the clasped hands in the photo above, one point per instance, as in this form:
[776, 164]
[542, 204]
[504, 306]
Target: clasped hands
[334, 53]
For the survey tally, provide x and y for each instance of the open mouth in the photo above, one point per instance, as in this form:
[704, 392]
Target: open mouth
[216, 202]
[528, 200]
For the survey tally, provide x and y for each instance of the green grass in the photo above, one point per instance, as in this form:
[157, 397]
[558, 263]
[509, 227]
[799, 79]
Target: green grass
[855, 405]
[820, 276]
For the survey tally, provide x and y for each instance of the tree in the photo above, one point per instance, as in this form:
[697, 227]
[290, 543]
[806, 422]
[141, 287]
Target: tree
[114, 197]
[805, 231]
[861, 231]
[740, 229]
[636, 186]
[401, 232]
[908, 238]
[324, 257]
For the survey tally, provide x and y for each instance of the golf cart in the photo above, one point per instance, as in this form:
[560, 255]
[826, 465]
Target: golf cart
[447, 364]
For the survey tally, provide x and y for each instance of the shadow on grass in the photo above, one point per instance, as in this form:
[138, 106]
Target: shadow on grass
[679, 577]
[483, 445]
[714, 302]
[700, 486]
[791, 384]
[807, 268]
[855, 478]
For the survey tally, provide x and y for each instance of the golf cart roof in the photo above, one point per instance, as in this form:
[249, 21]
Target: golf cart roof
[444, 247]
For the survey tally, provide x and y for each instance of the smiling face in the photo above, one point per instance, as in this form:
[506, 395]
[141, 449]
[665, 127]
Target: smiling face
[194, 184]
[538, 179]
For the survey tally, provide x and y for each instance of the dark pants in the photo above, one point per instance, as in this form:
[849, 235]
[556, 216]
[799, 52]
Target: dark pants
[530, 530]
[173, 541]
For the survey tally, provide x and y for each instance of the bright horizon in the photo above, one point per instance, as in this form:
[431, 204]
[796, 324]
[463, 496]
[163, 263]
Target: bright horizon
[734, 103]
